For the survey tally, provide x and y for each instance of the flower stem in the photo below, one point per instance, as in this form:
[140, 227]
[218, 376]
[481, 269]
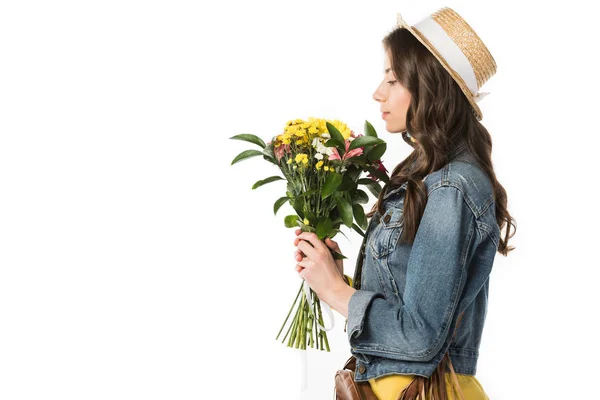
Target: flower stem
[299, 325]
[294, 330]
[324, 337]
[316, 325]
[289, 312]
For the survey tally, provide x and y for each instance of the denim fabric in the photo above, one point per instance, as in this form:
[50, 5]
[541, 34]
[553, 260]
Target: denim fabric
[403, 315]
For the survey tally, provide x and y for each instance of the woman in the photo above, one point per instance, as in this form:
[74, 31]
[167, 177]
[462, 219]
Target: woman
[417, 304]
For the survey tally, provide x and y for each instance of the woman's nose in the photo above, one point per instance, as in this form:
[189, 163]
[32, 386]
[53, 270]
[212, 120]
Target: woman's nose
[377, 96]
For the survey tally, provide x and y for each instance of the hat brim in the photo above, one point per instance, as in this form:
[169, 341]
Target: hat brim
[415, 32]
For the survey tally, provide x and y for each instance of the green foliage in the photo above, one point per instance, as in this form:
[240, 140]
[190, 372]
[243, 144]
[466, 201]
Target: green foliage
[332, 181]
[248, 137]
[280, 201]
[247, 154]
[364, 141]
[267, 180]
[291, 221]
[369, 130]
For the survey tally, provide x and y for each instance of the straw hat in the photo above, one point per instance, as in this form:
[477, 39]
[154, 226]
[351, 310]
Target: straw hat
[458, 48]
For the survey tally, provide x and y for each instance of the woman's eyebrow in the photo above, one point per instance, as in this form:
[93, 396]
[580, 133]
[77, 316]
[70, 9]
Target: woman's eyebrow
[386, 71]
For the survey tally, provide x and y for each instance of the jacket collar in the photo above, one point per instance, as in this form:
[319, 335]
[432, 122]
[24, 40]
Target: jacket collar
[457, 149]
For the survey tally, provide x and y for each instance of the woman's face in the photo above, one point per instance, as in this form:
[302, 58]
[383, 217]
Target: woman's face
[393, 99]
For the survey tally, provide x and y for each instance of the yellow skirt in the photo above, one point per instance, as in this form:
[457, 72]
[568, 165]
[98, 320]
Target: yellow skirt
[388, 387]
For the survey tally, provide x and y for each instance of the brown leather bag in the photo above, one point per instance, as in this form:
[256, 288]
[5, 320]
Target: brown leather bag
[346, 388]
[420, 388]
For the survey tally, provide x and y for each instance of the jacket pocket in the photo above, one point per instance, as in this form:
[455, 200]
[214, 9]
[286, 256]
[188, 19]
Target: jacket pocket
[386, 234]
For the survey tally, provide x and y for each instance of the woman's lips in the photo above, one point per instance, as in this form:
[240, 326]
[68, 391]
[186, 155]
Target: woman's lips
[385, 114]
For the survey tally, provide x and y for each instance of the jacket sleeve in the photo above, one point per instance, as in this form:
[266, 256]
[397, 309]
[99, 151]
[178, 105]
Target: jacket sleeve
[415, 329]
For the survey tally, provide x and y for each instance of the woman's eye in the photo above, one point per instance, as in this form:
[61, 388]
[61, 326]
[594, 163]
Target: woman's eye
[392, 82]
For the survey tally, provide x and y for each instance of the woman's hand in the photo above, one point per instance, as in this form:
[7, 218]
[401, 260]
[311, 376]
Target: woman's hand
[333, 245]
[317, 267]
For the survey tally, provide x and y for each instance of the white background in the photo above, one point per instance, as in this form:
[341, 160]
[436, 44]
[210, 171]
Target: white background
[137, 263]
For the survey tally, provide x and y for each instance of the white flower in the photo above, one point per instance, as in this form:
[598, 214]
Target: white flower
[319, 156]
[326, 135]
[321, 148]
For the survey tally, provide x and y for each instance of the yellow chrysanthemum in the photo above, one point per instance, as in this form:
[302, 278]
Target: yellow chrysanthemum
[306, 221]
[301, 157]
[319, 165]
[326, 168]
[319, 125]
[307, 130]
[289, 161]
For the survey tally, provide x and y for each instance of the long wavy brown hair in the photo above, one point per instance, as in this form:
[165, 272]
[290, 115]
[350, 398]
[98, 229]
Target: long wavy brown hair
[439, 116]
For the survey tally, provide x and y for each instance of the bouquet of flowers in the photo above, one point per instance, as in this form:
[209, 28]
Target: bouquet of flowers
[321, 161]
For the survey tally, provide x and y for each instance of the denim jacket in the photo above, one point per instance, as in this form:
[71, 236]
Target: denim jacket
[403, 315]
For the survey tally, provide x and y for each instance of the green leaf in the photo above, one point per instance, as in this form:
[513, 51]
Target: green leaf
[361, 197]
[345, 209]
[270, 159]
[291, 221]
[280, 201]
[332, 181]
[347, 183]
[324, 226]
[365, 181]
[364, 141]
[336, 135]
[377, 152]
[337, 256]
[332, 143]
[246, 154]
[379, 174]
[358, 230]
[267, 180]
[353, 172]
[248, 137]
[359, 215]
[369, 130]
[374, 188]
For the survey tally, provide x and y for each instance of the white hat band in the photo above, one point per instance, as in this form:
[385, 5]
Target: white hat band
[449, 51]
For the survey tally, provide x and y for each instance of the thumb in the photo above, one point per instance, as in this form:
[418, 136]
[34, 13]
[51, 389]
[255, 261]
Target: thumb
[332, 244]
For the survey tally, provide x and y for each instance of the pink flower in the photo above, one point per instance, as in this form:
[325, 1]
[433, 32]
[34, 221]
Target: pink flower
[380, 167]
[348, 154]
[281, 150]
[335, 155]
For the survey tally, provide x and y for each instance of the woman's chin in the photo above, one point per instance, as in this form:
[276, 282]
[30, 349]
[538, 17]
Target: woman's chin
[391, 128]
